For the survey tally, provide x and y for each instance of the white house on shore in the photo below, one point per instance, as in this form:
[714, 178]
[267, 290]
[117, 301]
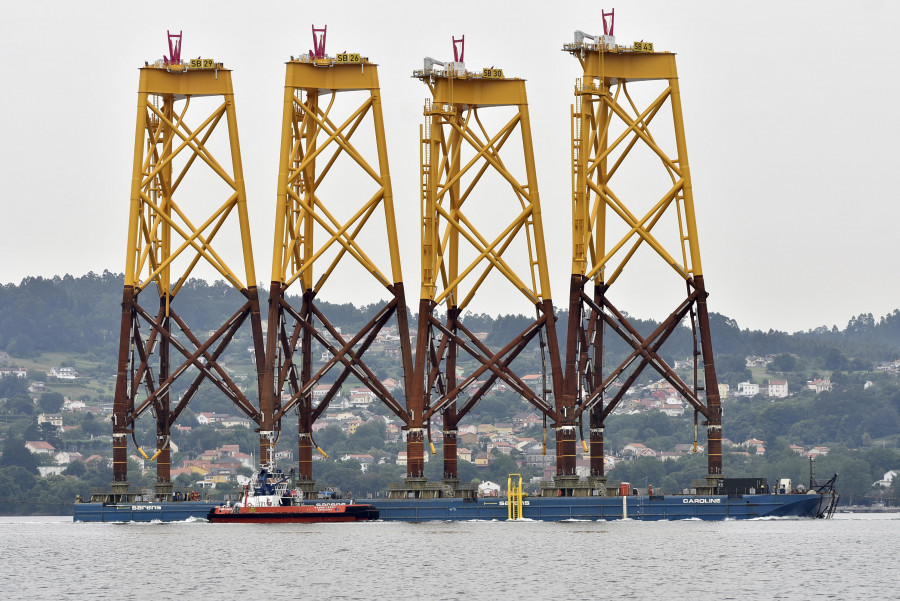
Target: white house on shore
[747, 389]
[63, 373]
[778, 388]
[488, 489]
[19, 373]
[819, 385]
[888, 479]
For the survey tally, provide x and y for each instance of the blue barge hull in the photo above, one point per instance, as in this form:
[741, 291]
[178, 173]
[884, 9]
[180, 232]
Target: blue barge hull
[169, 511]
[554, 509]
[551, 509]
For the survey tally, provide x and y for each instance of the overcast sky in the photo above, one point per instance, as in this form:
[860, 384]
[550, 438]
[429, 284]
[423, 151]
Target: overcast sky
[790, 115]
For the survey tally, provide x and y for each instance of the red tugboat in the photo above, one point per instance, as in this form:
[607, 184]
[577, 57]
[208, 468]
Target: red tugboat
[270, 501]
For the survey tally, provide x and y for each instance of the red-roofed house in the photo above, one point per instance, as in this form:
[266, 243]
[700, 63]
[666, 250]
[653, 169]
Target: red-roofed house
[40, 447]
[638, 450]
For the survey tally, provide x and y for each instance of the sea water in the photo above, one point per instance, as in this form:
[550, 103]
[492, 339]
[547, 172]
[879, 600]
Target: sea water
[853, 556]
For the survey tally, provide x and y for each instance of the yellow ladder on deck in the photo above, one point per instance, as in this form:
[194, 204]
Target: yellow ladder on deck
[514, 496]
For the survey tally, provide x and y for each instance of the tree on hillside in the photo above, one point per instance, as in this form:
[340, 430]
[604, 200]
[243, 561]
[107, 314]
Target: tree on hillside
[861, 325]
[15, 484]
[12, 385]
[836, 361]
[37, 375]
[367, 436]
[782, 363]
[51, 402]
[726, 334]
[19, 403]
[640, 472]
[730, 364]
[332, 440]
[501, 467]
[94, 426]
[506, 328]
[895, 490]
[16, 454]
[860, 364]
[855, 475]
[22, 347]
[76, 468]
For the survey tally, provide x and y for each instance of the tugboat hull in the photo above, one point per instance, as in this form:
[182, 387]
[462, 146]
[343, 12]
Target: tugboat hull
[296, 514]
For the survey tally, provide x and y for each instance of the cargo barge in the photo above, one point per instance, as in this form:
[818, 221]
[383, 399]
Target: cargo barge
[731, 505]
[635, 507]
[552, 509]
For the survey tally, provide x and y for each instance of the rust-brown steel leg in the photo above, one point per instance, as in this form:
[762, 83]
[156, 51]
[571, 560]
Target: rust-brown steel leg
[259, 349]
[403, 330]
[267, 390]
[451, 468]
[714, 421]
[565, 402]
[598, 467]
[268, 404]
[122, 400]
[305, 406]
[305, 448]
[163, 459]
[415, 402]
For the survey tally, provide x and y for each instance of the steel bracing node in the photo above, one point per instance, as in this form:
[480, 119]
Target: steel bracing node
[313, 242]
[181, 106]
[609, 127]
[460, 143]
